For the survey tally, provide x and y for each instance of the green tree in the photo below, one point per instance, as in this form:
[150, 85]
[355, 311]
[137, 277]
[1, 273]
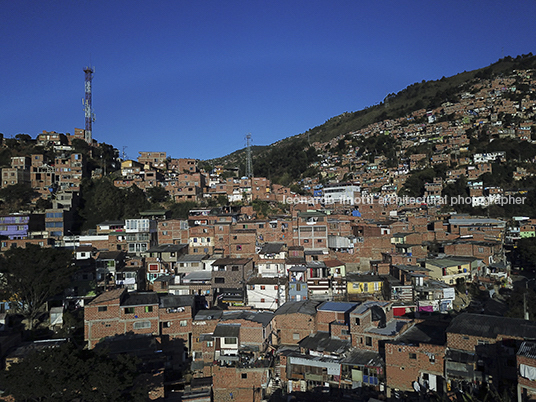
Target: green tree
[65, 374]
[135, 201]
[179, 210]
[262, 208]
[18, 196]
[157, 194]
[101, 201]
[526, 251]
[33, 275]
[41, 204]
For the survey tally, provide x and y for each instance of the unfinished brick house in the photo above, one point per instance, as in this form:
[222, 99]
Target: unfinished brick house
[118, 312]
[295, 320]
[482, 348]
[417, 356]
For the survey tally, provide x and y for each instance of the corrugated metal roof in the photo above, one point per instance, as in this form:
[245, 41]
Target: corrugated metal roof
[322, 342]
[170, 301]
[489, 326]
[301, 307]
[226, 331]
[140, 299]
[527, 349]
[337, 306]
[271, 248]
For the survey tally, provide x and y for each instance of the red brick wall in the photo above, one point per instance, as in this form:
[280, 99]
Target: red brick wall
[242, 383]
[324, 318]
[402, 370]
[524, 382]
[286, 325]
[175, 330]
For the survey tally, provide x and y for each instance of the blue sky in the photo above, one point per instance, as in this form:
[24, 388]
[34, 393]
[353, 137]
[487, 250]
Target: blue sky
[193, 78]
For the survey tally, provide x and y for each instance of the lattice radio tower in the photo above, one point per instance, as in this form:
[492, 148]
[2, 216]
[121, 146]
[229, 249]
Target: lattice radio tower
[249, 167]
[88, 107]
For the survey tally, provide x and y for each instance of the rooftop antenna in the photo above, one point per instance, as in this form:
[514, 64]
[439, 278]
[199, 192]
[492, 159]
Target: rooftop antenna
[124, 155]
[88, 107]
[249, 168]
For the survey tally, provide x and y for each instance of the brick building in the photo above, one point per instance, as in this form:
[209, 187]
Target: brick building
[295, 320]
[417, 356]
[119, 312]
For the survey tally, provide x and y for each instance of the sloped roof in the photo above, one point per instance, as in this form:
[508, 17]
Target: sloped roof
[321, 342]
[489, 326]
[226, 331]
[111, 255]
[302, 307]
[140, 299]
[107, 296]
[364, 358]
[527, 349]
[170, 301]
[231, 261]
[271, 248]
[341, 307]
[262, 317]
[167, 248]
[431, 333]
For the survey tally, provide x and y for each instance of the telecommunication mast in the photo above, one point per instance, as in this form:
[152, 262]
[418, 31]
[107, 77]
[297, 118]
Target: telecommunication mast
[88, 107]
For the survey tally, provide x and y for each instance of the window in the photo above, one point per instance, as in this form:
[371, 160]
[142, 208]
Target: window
[368, 341]
[295, 336]
[183, 323]
[413, 356]
[129, 310]
[103, 308]
[219, 280]
[244, 375]
[234, 268]
[142, 325]
[298, 287]
[357, 321]
[210, 344]
[230, 341]
[262, 300]
[166, 324]
[148, 309]
[263, 287]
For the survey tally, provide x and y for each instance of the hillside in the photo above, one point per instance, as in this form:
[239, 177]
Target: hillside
[417, 96]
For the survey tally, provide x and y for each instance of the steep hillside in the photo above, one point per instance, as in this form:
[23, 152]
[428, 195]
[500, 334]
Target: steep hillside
[423, 95]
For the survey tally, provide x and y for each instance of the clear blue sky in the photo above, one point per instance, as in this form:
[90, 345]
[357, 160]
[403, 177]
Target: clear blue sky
[192, 78]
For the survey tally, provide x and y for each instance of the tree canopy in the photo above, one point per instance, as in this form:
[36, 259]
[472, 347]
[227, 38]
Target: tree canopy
[33, 275]
[66, 373]
[17, 196]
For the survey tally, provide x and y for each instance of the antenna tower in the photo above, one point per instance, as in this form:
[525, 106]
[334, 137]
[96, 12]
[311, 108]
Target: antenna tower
[88, 107]
[249, 168]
